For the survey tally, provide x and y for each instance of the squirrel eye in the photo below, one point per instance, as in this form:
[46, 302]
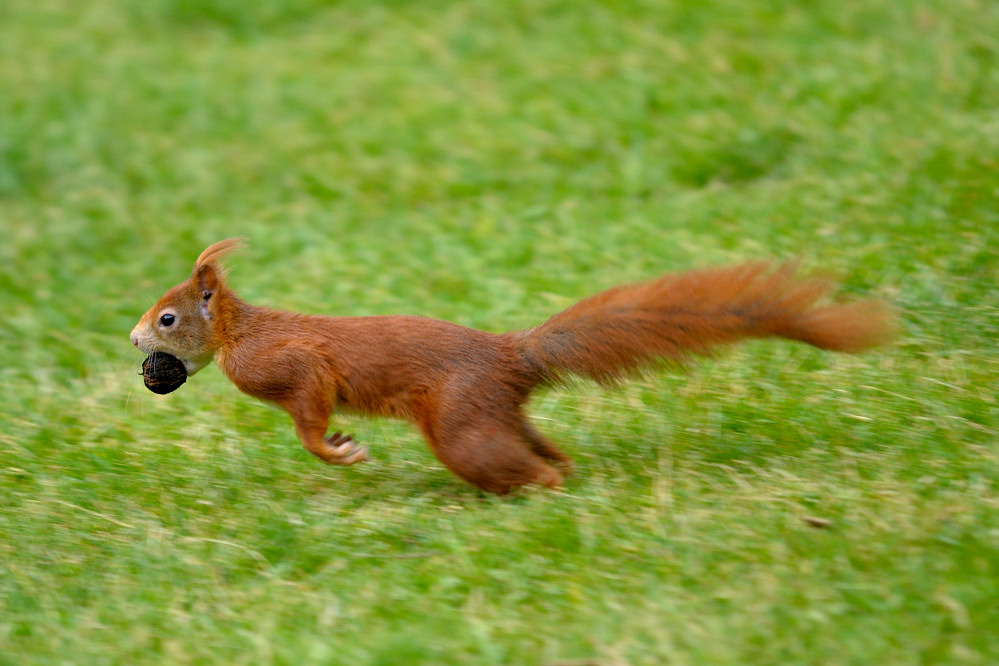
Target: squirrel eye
[167, 320]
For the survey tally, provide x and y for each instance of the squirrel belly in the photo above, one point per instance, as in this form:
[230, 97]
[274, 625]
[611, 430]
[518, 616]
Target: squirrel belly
[464, 388]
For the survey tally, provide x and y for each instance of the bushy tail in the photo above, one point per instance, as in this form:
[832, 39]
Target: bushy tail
[629, 328]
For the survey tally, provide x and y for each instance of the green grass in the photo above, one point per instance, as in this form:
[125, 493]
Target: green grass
[490, 163]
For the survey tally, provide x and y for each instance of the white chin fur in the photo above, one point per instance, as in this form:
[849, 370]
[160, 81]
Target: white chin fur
[191, 367]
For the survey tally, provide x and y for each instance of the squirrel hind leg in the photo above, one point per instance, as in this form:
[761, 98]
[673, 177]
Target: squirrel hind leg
[544, 447]
[494, 457]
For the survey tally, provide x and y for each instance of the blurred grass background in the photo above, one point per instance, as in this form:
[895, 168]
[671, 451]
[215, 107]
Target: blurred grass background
[491, 163]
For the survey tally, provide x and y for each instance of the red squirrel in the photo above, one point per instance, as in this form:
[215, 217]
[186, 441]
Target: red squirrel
[464, 388]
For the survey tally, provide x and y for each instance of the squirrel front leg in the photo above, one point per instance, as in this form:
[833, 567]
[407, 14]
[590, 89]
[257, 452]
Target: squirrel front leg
[312, 419]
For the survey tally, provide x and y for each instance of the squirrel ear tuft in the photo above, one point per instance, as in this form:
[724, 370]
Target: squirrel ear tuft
[215, 252]
[207, 275]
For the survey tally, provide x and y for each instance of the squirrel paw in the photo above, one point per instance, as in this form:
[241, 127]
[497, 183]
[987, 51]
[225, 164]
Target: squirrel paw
[342, 450]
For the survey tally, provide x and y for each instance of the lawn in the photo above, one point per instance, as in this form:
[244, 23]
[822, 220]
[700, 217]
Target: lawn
[491, 163]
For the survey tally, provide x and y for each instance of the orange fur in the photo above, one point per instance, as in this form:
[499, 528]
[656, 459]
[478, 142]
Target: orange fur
[465, 389]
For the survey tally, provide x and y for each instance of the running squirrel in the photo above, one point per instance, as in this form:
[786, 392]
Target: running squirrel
[464, 388]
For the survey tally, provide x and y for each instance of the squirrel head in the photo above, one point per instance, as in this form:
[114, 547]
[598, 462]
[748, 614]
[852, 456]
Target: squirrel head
[186, 321]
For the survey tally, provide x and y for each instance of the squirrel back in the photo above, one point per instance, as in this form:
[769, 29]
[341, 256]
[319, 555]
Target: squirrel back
[465, 389]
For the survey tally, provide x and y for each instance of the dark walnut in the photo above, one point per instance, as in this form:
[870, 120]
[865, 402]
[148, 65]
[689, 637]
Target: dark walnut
[163, 373]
